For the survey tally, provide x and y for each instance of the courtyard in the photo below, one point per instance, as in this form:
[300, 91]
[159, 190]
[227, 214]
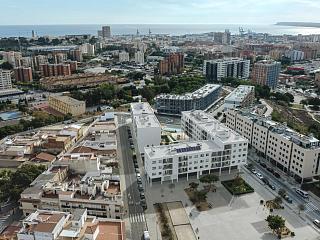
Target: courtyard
[231, 217]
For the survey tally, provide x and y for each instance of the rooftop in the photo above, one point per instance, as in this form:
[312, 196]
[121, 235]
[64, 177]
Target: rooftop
[200, 93]
[239, 93]
[68, 100]
[144, 121]
[141, 108]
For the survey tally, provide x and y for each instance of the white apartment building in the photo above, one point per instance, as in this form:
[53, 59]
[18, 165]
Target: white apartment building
[290, 151]
[12, 57]
[242, 96]
[5, 80]
[215, 70]
[87, 49]
[146, 126]
[213, 148]
[124, 57]
[139, 57]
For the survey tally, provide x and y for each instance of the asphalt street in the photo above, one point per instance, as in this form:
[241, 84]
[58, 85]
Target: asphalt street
[132, 199]
[312, 207]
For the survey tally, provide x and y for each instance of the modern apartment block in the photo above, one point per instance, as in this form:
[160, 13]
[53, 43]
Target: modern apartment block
[57, 225]
[50, 70]
[212, 148]
[172, 64]
[23, 74]
[242, 96]
[146, 126]
[222, 37]
[124, 57]
[200, 99]
[139, 57]
[106, 32]
[266, 73]
[75, 181]
[5, 80]
[12, 57]
[67, 105]
[87, 49]
[290, 151]
[215, 70]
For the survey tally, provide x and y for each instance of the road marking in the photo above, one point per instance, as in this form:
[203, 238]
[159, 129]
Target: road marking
[137, 218]
[310, 207]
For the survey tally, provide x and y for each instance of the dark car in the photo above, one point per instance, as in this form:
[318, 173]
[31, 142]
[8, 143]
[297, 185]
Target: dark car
[266, 181]
[270, 169]
[263, 164]
[272, 186]
[277, 175]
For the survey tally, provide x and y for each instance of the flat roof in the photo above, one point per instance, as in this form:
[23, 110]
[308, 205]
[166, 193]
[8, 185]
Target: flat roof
[200, 93]
[147, 121]
[181, 148]
[141, 108]
[213, 127]
[239, 93]
[68, 100]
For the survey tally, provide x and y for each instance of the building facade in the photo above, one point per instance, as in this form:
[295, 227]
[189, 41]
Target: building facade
[213, 148]
[50, 70]
[5, 80]
[266, 73]
[215, 70]
[242, 96]
[23, 74]
[106, 32]
[198, 100]
[288, 150]
[67, 105]
[172, 64]
[146, 127]
[139, 57]
[124, 57]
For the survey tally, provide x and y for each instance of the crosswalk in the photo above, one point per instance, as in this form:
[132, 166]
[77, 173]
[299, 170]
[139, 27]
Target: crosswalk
[310, 207]
[137, 218]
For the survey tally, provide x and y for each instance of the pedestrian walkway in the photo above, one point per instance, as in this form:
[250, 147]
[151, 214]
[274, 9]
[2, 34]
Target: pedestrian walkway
[137, 218]
[310, 207]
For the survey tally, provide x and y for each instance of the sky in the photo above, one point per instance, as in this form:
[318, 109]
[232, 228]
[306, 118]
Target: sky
[25, 12]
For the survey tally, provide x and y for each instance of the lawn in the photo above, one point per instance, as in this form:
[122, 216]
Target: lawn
[237, 186]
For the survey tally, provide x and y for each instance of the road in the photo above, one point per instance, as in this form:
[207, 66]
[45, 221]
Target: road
[312, 207]
[132, 199]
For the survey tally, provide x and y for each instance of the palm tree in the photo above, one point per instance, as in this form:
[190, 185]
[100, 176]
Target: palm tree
[193, 186]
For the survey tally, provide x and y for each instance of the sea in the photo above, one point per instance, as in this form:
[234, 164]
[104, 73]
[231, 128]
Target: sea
[131, 29]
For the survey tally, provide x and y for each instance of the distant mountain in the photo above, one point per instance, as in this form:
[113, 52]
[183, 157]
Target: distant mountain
[299, 24]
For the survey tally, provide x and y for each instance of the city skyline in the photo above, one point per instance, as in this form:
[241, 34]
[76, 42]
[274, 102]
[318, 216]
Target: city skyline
[159, 12]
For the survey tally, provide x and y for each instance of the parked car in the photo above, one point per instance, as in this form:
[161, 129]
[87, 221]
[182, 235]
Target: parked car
[287, 198]
[259, 175]
[253, 171]
[316, 222]
[277, 175]
[272, 186]
[146, 235]
[138, 175]
[266, 181]
[302, 193]
[142, 196]
[270, 169]
[263, 164]
[140, 187]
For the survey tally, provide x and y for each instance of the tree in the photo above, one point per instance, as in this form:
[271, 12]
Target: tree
[6, 66]
[193, 186]
[282, 192]
[200, 196]
[275, 223]
[301, 207]
[210, 179]
[278, 200]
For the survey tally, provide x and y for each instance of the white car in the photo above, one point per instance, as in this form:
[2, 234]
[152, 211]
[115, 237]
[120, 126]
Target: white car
[259, 175]
[317, 223]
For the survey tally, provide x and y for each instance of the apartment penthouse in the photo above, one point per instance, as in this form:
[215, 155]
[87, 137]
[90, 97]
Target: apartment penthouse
[198, 100]
[75, 181]
[282, 146]
[52, 225]
[67, 105]
[213, 148]
[146, 126]
[215, 70]
[242, 96]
